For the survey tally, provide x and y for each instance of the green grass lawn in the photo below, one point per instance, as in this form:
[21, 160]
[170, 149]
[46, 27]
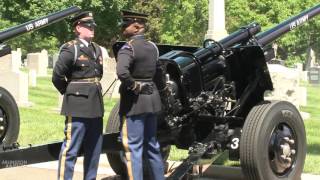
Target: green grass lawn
[41, 123]
[312, 126]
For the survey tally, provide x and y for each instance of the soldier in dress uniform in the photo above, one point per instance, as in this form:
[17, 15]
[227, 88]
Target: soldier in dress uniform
[140, 74]
[76, 75]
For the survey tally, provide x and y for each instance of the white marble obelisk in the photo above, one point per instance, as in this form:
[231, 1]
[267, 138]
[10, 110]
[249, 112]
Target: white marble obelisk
[216, 25]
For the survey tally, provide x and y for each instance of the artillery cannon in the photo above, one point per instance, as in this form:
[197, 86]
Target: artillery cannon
[217, 104]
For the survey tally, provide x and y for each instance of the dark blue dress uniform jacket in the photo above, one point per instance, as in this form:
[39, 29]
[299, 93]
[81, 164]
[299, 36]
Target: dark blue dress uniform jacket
[138, 60]
[76, 65]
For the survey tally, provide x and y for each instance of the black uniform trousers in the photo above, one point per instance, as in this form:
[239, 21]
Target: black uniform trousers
[86, 132]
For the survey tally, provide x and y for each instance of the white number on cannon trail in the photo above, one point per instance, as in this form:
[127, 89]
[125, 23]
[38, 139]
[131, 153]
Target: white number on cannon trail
[235, 143]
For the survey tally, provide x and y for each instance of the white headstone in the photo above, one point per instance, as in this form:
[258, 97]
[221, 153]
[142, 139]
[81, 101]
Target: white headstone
[311, 58]
[304, 76]
[109, 75]
[54, 59]
[105, 54]
[13, 80]
[286, 85]
[216, 24]
[299, 67]
[45, 58]
[16, 61]
[38, 62]
[6, 63]
[302, 95]
[10, 62]
[17, 84]
[32, 78]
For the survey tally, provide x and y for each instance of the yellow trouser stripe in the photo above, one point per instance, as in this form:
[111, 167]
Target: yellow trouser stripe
[126, 147]
[68, 141]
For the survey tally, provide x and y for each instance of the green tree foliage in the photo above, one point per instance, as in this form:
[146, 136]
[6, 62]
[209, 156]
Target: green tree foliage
[171, 22]
[14, 12]
[180, 22]
[270, 13]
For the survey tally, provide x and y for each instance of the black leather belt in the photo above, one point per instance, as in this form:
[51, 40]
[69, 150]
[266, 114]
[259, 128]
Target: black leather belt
[143, 80]
[86, 80]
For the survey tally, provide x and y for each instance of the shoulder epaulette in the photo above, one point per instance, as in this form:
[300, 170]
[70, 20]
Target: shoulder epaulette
[127, 46]
[71, 43]
[74, 44]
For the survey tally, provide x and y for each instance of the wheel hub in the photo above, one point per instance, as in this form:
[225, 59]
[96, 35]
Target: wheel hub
[3, 124]
[282, 149]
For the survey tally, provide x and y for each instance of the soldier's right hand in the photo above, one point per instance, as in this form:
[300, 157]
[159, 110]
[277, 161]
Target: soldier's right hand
[142, 88]
[136, 88]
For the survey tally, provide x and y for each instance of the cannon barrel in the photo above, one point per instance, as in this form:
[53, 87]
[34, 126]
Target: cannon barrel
[37, 23]
[242, 35]
[266, 37]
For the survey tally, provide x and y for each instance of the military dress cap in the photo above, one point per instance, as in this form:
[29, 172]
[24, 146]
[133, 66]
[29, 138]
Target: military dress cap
[85, 18]
[129, 17]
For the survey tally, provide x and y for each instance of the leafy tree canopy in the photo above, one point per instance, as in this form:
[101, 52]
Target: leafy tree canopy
[180, 22]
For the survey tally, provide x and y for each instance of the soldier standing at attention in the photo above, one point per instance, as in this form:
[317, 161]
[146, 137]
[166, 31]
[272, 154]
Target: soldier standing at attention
[76, 75]
[141, 77]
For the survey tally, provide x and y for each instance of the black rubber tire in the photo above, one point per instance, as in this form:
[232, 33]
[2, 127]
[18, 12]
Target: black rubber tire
[114, 158]
[113, 126]
[261, 123]
[10, 119]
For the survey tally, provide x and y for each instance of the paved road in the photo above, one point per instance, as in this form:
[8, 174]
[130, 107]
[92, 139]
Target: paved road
[48, 171]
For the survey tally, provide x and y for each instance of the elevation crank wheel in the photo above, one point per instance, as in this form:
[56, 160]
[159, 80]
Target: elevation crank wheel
[9, 118]
[115, 158]
[273, 142]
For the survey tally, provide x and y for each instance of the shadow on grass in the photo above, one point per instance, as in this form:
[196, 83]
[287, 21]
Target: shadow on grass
[313, 149]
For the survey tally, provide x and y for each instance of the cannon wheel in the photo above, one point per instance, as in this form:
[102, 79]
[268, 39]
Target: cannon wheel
[9, 118]
[273, 142]
[114, 158]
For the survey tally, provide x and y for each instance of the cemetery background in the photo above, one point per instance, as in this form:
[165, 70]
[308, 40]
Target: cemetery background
[39, 102]
[188, 27]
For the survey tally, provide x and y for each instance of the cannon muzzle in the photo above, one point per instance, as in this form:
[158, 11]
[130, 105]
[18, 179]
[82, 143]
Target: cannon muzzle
[266, 37]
